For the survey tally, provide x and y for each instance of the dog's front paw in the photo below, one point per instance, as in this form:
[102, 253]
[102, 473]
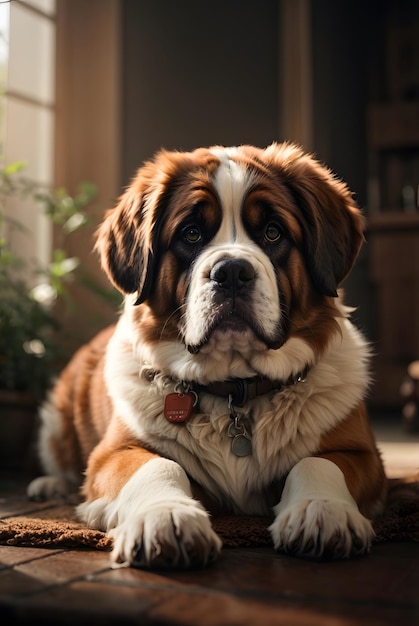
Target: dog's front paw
[317, 516]
[154, 520]
[321, 529]
[166, 536]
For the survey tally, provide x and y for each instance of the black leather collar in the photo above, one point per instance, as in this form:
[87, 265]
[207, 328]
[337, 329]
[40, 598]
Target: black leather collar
[241, 390]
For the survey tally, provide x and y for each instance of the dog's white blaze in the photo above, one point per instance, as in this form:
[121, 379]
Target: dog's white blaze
[232, 182]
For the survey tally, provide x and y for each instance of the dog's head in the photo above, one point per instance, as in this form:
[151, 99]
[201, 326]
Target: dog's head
[235, 248]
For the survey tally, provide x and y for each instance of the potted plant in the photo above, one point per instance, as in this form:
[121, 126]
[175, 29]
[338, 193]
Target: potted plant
[29, 351]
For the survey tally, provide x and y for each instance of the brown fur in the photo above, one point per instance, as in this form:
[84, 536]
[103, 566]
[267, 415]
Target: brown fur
[351, 446]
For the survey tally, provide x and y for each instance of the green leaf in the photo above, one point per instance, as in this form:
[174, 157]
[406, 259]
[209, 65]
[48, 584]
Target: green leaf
[76, 221]
[59, 255]
[13, 168]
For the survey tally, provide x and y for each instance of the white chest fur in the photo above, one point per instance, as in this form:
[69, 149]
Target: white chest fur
[285, 426]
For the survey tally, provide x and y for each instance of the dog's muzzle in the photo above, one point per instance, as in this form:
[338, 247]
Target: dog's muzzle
[231, 311]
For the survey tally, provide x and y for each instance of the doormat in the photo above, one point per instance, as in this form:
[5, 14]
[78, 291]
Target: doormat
[54, 524]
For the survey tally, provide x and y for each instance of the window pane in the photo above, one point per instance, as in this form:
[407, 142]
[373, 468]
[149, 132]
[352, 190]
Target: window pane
[4, 55]
[4, 40]
[30, 138]
[33, 244]
[47, 6]
[31, 54]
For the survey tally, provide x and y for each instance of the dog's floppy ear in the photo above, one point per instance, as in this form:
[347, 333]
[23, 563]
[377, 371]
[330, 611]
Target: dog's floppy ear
[331, 223]
[127, 240]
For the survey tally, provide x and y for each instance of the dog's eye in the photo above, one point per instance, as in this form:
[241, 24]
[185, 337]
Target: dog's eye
[192, 234]
[273, 233]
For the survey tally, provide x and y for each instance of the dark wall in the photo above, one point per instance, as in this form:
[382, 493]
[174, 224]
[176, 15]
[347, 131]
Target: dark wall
[347, 46]
[339, 89]
[351, 56]
[198, 73]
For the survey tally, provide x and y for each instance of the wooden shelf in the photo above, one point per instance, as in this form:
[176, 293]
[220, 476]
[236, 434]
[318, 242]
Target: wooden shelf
[393, 221]
[393, 246]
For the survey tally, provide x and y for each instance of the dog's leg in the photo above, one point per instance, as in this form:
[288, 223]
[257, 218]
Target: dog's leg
[151, 515]
[70, 423]
[317, 515]
[59, 457]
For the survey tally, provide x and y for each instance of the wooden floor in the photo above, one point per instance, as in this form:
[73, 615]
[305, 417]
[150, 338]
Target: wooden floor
[245, 587]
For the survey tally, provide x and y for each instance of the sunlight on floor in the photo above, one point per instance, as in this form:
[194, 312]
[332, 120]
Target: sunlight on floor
[400, 458]
[399, 448]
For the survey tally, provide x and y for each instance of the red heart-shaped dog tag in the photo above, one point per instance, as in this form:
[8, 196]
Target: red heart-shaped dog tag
[178, 408]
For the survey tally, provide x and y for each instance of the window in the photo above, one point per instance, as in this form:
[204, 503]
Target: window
[27, 68]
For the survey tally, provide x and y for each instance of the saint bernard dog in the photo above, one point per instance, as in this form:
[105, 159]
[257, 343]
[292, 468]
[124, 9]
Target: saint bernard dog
[234, 381]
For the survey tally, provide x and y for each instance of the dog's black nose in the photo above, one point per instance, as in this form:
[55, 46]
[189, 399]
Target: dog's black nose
[233, 274]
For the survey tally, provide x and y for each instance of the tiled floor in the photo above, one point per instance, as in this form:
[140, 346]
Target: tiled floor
[245, 587]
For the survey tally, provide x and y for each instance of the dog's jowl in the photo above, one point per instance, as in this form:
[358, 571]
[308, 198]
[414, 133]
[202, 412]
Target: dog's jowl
[234, 380]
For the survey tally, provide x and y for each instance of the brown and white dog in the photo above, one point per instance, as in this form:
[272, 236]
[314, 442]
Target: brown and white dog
[233, 381]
